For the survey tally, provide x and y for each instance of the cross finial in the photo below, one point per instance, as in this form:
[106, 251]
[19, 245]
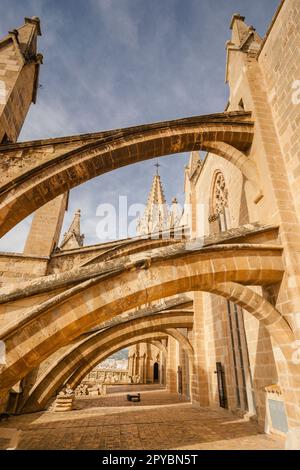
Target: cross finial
[157, 167]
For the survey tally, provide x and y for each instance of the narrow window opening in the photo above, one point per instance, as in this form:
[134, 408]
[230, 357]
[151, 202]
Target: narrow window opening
[5, 139]
[241, 105]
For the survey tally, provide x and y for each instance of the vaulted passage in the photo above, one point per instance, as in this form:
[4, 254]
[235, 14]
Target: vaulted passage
[171, 271]
[80, 359]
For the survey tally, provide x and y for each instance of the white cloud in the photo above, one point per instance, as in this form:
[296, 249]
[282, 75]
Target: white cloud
[118, 20]
[14, 240]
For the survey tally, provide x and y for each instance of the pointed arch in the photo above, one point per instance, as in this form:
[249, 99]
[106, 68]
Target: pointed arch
[96, 348]
[54, 166]
[166, 274]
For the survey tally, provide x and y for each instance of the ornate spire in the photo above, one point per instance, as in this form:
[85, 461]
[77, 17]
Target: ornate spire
[194, 163]
[156, 195]
[73, 238]
[175, 214]
[239, 28]
[243, 36]
[156, 216]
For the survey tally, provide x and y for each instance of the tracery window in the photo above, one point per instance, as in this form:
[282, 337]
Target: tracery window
[219, 211]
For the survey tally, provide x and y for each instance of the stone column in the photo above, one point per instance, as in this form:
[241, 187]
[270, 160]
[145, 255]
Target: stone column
[172, 365]
[199, 386]
[45, 228]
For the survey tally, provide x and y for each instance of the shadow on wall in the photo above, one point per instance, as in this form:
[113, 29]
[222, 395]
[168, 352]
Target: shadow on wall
[264, 371]
[244, 214]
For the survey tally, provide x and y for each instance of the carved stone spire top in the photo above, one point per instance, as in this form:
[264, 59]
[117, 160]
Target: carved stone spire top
[73, 237]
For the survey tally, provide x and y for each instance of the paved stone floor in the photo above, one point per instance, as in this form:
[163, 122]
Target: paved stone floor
[160, 421]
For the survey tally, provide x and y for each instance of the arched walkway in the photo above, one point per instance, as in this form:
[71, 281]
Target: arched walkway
[85, 355]
[149, 337]
[79, 374]
[166, 275]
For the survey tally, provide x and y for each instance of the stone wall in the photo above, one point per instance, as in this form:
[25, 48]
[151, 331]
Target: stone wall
[141, 360]
[279, 60]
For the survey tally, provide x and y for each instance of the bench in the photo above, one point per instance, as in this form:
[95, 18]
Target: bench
[134, 397]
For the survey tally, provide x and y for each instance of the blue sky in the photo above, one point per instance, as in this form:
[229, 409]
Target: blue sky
[116, 63]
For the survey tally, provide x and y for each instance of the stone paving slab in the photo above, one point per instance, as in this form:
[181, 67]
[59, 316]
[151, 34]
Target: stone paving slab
[160, 421]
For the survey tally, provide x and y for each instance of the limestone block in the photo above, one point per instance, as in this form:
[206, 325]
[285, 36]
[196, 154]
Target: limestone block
[293, 439]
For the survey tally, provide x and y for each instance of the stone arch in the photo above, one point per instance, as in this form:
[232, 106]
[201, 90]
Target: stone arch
[188, 349]
[38, 402]
[27, 345]
[240, 160]
[98, 344]
[36, 172]
[259, 307]
[186, 345]
[159, 345]
[126, 249]
[79, 374]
